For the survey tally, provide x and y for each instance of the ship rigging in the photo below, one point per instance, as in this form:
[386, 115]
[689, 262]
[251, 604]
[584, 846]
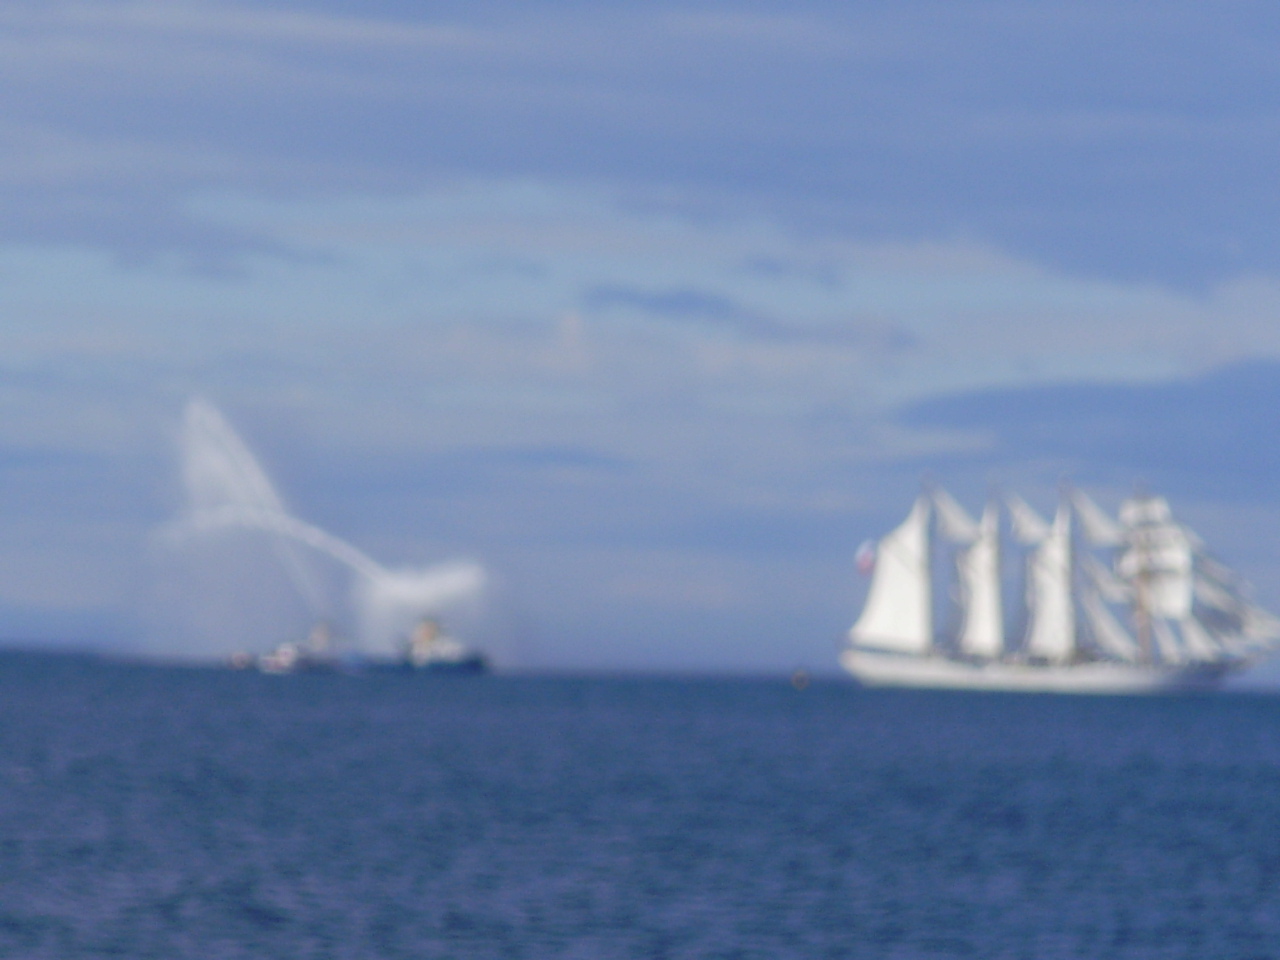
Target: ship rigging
[1112, 605]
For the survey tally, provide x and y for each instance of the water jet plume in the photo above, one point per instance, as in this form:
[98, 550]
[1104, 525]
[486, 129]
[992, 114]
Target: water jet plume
[219, 473]
[227, 490]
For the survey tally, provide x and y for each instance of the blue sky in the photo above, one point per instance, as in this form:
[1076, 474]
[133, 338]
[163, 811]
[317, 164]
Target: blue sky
[656, 310]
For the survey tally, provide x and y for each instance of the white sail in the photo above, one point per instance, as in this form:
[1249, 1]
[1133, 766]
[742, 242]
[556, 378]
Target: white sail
[983, 632]
[1215, 595]
[1214, 570]
[1052, 632]
[1028, 528]
[1099, 529]
[899, 611]
[1197, 642]
[954, 522]
[1107, 631]
[1145, 511]
[1259, 625]
[1109, 586]
[1157, 559]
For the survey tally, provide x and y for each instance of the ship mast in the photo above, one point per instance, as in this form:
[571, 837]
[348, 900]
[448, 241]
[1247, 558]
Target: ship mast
[1142, 614]
[1158, 561]
[1132, 515]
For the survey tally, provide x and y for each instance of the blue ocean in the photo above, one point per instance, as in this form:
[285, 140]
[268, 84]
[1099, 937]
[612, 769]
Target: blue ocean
[168, 812]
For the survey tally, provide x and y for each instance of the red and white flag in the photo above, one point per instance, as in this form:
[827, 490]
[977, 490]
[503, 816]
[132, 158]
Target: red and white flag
[865, 558]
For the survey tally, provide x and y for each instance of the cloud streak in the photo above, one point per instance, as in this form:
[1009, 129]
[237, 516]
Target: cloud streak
[857, 122]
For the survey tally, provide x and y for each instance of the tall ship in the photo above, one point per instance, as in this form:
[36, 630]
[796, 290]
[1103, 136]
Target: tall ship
[1127, 604]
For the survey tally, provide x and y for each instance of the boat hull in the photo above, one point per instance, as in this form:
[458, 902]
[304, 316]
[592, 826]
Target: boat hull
[876, 669]
[470, 665]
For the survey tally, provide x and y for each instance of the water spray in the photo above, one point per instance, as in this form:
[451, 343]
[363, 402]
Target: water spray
[228, 489]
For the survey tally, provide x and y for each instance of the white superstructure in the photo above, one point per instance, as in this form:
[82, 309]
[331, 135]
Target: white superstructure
[1111, 605]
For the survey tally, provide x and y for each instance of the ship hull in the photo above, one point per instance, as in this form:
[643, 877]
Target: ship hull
[470, 665]
[877, 669]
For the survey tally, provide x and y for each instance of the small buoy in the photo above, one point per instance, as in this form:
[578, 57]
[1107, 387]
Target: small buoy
[800, 679]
